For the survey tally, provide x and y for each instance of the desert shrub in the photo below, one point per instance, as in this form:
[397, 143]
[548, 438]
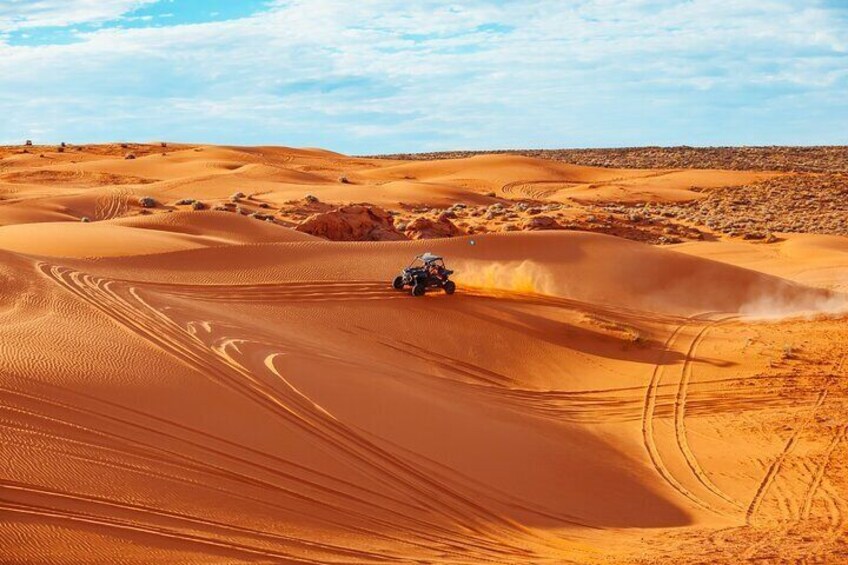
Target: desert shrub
[311, 199]
[237, 196]
[264, 205]
[789, 351]
[198, 205]
[147, 202]
[185, 202]
[85, 219]
[129, 156]
[344, 180]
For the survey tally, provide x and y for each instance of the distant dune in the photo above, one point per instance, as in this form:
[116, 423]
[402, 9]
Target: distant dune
[203, 361]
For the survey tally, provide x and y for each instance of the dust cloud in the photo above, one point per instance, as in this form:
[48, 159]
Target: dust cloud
[515, 276]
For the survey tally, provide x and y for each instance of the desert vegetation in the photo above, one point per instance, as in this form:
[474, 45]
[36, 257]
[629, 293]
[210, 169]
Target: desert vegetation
[771, 158]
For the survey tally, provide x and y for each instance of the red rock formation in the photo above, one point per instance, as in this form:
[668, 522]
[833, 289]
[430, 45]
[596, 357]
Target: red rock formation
[425, 228]
[357, 222]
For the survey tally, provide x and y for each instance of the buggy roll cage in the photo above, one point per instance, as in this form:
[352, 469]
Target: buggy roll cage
[427, 259]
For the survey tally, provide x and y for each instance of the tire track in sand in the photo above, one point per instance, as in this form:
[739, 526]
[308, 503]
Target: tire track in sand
[680, 415]
[776, 466]
[818, 484]
[492, 529]
[649, 411]
[821, 471]
[113, 204]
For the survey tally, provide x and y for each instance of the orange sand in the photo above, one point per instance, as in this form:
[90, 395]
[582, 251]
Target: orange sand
[202, 387]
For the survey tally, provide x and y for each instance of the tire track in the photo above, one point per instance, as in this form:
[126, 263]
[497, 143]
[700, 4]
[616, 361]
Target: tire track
[194, 466]
[649, 409]
[301, 292]
[821, 470]
[113, 204]
[680, 414]
[819, 476]
[777, 464]
[362, 454]
[180, 524]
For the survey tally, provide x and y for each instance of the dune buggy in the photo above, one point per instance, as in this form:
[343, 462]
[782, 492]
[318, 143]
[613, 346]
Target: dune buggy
[425, 271]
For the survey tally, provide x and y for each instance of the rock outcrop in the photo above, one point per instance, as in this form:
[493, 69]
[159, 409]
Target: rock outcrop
[425, 228]
[356, 222]
[541, 223]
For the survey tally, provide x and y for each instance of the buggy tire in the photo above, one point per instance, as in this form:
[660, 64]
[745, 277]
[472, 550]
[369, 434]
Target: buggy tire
[418, 289]
[397, 284]
[449, 286]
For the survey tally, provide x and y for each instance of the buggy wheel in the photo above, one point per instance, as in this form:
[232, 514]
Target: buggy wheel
[397, 284]
[449, 287]
[418, 289]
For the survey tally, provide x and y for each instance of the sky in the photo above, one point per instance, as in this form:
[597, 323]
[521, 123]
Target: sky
[382, 76]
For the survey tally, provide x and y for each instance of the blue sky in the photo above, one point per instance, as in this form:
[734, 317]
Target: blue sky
[393, 75]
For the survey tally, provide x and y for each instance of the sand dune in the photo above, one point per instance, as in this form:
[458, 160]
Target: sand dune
[203, 386]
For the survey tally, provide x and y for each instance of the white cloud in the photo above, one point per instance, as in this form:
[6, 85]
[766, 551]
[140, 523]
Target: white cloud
[19, 14]
[388, 74]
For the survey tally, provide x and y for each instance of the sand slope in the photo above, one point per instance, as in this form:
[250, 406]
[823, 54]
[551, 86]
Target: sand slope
[203, 387]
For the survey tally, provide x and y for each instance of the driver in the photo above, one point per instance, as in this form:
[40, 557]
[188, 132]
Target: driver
[433, 270]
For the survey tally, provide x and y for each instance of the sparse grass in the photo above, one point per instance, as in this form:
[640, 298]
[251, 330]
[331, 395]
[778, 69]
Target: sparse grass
[637, 338]
[789, 352]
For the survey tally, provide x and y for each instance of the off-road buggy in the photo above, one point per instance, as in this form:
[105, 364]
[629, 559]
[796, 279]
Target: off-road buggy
[425, 271]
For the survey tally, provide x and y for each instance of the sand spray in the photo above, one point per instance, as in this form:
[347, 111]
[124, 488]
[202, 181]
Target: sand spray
[515, 276]
[775, 306]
